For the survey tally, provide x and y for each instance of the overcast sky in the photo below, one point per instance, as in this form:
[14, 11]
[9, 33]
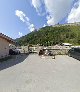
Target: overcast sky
[20, 17]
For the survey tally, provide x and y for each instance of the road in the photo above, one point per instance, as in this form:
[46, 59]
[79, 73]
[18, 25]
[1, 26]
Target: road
[40, 74]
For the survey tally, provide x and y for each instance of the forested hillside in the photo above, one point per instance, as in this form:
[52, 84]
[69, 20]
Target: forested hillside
[52, 35]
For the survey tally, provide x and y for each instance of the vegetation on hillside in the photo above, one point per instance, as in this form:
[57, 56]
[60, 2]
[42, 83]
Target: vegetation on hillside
[52, 35]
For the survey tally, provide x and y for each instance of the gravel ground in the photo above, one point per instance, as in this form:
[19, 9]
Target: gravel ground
[40, 74]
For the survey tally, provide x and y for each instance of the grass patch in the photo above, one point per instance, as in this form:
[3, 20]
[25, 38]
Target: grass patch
[5, 59]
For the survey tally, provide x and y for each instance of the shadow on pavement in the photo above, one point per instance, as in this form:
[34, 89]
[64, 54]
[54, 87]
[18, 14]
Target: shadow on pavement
[16, 59]
[75, 55]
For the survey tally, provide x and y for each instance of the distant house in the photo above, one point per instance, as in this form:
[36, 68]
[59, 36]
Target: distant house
[4, 45]
[66, 44]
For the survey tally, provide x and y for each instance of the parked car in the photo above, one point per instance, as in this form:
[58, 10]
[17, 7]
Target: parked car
[17, 51]
[14, 52]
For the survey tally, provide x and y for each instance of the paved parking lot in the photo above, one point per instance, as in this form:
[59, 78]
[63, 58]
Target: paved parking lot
[40, 74]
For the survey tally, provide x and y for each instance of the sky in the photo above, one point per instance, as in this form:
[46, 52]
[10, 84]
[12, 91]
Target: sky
[20, 17]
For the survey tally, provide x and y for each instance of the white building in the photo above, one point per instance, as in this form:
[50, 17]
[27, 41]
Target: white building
[66, 44]
[4, 45]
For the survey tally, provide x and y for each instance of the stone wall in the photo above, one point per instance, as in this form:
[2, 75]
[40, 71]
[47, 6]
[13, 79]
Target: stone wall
[25, 49]
[60, 51]
[57, 51]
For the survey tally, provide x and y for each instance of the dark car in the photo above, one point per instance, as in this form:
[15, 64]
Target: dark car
[14, 52]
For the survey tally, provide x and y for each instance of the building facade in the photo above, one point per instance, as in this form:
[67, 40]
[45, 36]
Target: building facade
[4, 45]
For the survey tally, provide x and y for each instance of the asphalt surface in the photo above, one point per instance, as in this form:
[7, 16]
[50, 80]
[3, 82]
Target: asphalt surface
[40, 74]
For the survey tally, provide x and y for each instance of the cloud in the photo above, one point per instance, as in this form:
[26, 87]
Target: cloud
[44, 25]
[25, 19]
[50, 20]
[39, 6]
[36, 4]
[55, 10]
[21, 15]
[74, 15]
[20, 34]
[31, 27]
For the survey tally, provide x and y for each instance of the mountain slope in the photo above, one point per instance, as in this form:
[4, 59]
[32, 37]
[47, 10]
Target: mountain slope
[52, 35]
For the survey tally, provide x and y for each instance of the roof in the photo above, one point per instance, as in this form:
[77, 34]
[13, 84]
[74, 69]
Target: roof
[10, 40]
[67, 44]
